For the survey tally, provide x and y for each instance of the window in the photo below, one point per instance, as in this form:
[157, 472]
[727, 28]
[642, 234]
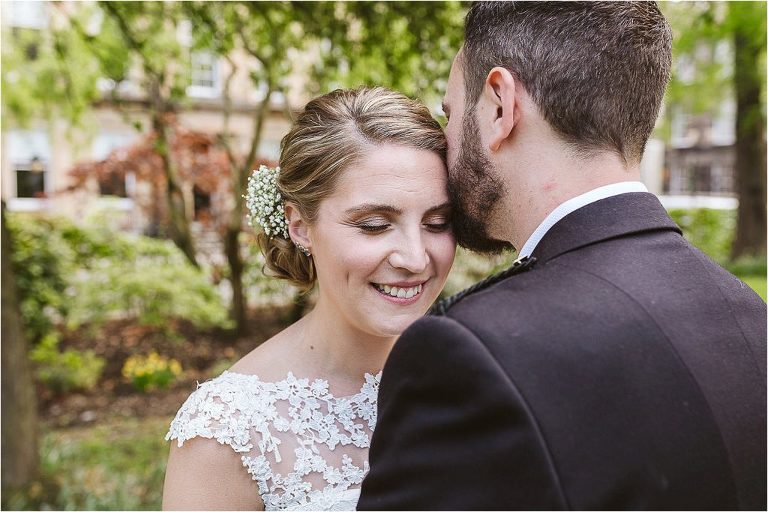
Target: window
[724, 124]
[680, 128]
[204, 75]
[30, 157]
[700, 177]
[30, 178]
[118, 185]
[202, 205]
[722, 178]
[25, 14]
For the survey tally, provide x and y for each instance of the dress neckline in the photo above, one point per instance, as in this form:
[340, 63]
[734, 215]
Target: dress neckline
[321, 385]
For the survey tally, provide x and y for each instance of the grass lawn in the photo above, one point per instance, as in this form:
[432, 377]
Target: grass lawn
[116, 465]
[757, 283]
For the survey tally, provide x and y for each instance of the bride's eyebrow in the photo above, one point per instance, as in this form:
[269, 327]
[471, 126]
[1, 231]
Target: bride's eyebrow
[444, 206]
[372, 208]
[386, 208]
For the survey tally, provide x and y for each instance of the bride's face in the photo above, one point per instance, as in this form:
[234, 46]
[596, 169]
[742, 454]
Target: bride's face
[382, 242]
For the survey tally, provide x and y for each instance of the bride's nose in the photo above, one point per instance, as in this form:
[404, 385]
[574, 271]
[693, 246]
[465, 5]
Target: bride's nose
[410, 255]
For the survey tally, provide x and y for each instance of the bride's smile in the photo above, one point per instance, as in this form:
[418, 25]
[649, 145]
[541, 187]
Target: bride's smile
[401, 291]
[382, 242]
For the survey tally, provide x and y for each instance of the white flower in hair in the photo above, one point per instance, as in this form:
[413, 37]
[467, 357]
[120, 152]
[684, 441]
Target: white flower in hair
[265, 203]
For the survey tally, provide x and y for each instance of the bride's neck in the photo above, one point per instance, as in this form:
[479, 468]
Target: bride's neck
[338, 348]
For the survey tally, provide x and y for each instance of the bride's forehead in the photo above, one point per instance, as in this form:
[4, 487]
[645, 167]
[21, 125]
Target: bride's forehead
[374, 185]
[394, 167]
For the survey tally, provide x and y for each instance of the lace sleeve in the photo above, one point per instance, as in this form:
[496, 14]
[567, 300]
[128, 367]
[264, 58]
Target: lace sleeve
[304, 448]
[216, 410]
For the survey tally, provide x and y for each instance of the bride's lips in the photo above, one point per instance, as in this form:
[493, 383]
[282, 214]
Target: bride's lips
[402, 293]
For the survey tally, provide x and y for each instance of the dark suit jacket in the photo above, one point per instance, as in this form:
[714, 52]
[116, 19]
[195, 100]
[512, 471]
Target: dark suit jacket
[624, 370]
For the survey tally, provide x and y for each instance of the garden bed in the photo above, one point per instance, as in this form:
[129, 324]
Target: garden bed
[202, 355]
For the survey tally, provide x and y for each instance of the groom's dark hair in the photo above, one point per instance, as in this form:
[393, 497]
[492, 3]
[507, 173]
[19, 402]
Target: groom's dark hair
[596, 70]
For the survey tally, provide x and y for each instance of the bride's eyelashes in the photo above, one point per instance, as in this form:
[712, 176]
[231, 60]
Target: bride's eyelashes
[435, 220]
[370, 225]
[373, 228]
[435, 226]
[438, 225]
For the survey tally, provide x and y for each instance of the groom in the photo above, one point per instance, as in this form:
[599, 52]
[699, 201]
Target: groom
[616, 366]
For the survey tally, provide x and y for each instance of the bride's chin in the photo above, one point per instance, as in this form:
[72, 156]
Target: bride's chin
[396, 326]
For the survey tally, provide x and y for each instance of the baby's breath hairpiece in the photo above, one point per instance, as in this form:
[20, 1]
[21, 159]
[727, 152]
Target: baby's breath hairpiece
[265, 203]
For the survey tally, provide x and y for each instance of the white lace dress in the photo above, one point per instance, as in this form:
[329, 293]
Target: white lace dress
[303, 447]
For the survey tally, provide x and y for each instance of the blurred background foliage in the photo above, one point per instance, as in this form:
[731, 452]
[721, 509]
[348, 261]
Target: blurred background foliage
[118, 327]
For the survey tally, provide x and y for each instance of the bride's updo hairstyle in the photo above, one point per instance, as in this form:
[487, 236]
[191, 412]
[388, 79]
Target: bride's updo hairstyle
[329, 136]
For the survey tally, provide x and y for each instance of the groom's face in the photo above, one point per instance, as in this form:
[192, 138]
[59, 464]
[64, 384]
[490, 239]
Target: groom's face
[474, 185]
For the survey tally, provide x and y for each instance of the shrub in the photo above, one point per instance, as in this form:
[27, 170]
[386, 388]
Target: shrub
[90, 275]
[710, 230]
[151, 372]
[65, 371]
[42, 263]
[748, 266]
[155, 285]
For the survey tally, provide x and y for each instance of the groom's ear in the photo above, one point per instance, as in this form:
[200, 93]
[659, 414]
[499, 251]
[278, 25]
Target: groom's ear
[298, 228]
[500, 93]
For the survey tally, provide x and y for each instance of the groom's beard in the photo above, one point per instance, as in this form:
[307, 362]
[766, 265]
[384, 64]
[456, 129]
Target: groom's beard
[475, 189]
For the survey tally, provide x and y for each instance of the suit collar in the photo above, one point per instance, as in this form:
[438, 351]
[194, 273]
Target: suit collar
[608, 218]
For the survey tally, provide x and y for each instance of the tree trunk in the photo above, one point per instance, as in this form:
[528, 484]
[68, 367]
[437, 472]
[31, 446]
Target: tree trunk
[750, 143]
[232, 249]
[19, 406]
[235, 224]
[177, 213]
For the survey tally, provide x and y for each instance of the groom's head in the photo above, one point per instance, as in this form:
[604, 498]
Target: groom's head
[593, 72]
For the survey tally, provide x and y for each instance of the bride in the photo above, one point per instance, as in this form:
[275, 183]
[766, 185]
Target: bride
[359, 207]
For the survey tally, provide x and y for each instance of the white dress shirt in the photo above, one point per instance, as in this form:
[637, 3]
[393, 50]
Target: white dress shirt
[574, 204]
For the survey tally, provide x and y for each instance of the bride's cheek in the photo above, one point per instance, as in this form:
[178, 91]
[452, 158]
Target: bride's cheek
[445, 253]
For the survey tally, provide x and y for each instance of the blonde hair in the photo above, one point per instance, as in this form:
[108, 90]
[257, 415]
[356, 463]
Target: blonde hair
[332, 133]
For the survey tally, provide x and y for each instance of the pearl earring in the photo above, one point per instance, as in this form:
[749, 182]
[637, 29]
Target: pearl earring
[303, 249]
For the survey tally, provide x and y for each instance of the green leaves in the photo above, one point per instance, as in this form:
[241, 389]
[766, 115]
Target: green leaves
[65, 371]
[74, 276]
[407, 46]
[703, 49]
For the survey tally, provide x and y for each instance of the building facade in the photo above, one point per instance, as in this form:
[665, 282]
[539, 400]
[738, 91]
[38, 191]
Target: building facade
[36, 160]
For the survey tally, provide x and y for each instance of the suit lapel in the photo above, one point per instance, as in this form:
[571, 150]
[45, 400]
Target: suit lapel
[616, 216]
[613, 217]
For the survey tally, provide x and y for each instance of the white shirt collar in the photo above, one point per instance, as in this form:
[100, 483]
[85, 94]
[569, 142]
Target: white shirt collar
[574, 204]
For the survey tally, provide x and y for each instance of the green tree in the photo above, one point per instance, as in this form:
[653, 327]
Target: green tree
[723, 47]
[148, 30]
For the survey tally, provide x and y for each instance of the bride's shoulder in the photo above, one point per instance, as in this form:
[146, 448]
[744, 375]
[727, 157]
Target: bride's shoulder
[223, 408]
[273, 359]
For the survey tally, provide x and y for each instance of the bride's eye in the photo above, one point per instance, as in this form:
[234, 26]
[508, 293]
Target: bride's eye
[438, 225]
[373, 228]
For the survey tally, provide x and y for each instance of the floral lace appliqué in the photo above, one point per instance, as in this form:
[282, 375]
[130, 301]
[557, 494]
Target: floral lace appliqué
[304, 448]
